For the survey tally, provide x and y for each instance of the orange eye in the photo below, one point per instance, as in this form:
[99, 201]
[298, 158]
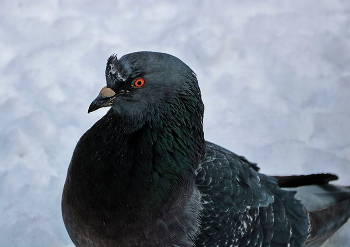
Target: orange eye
[139, 82]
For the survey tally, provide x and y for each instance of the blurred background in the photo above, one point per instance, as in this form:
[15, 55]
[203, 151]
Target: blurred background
[274, 75]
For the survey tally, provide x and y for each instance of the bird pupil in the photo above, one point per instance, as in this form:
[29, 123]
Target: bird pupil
[139, 82]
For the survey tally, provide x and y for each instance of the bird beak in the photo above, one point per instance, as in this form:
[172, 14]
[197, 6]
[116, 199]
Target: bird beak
[104, 99]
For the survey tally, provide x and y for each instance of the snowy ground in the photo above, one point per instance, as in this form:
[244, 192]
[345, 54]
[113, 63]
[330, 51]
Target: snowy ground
[275, 79]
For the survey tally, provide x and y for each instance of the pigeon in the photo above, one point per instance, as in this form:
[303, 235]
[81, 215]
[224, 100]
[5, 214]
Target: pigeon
[143, 175]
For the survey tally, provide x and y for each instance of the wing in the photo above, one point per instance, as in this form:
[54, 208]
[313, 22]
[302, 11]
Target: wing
[327, 221]
[328, 205]
[243, 207]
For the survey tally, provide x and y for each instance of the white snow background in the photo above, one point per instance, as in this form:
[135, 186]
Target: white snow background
[274, 75]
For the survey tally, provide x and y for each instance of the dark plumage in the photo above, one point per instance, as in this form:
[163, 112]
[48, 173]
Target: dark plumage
[143, 175]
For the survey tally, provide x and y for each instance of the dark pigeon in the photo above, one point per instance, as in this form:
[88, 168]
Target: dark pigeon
[143, 175]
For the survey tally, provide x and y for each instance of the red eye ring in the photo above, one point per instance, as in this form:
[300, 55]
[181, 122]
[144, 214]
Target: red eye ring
[139, 82]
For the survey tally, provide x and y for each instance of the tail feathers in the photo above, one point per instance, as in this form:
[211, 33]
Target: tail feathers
[325, 222]
[302, 180]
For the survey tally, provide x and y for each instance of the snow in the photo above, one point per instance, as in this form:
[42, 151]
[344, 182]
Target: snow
[275, 79]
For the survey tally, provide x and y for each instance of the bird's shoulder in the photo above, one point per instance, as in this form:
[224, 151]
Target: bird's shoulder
[231, 179]
[240, 204]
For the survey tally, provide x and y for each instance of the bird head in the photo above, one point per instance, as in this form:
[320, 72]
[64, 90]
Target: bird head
[143, 84]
